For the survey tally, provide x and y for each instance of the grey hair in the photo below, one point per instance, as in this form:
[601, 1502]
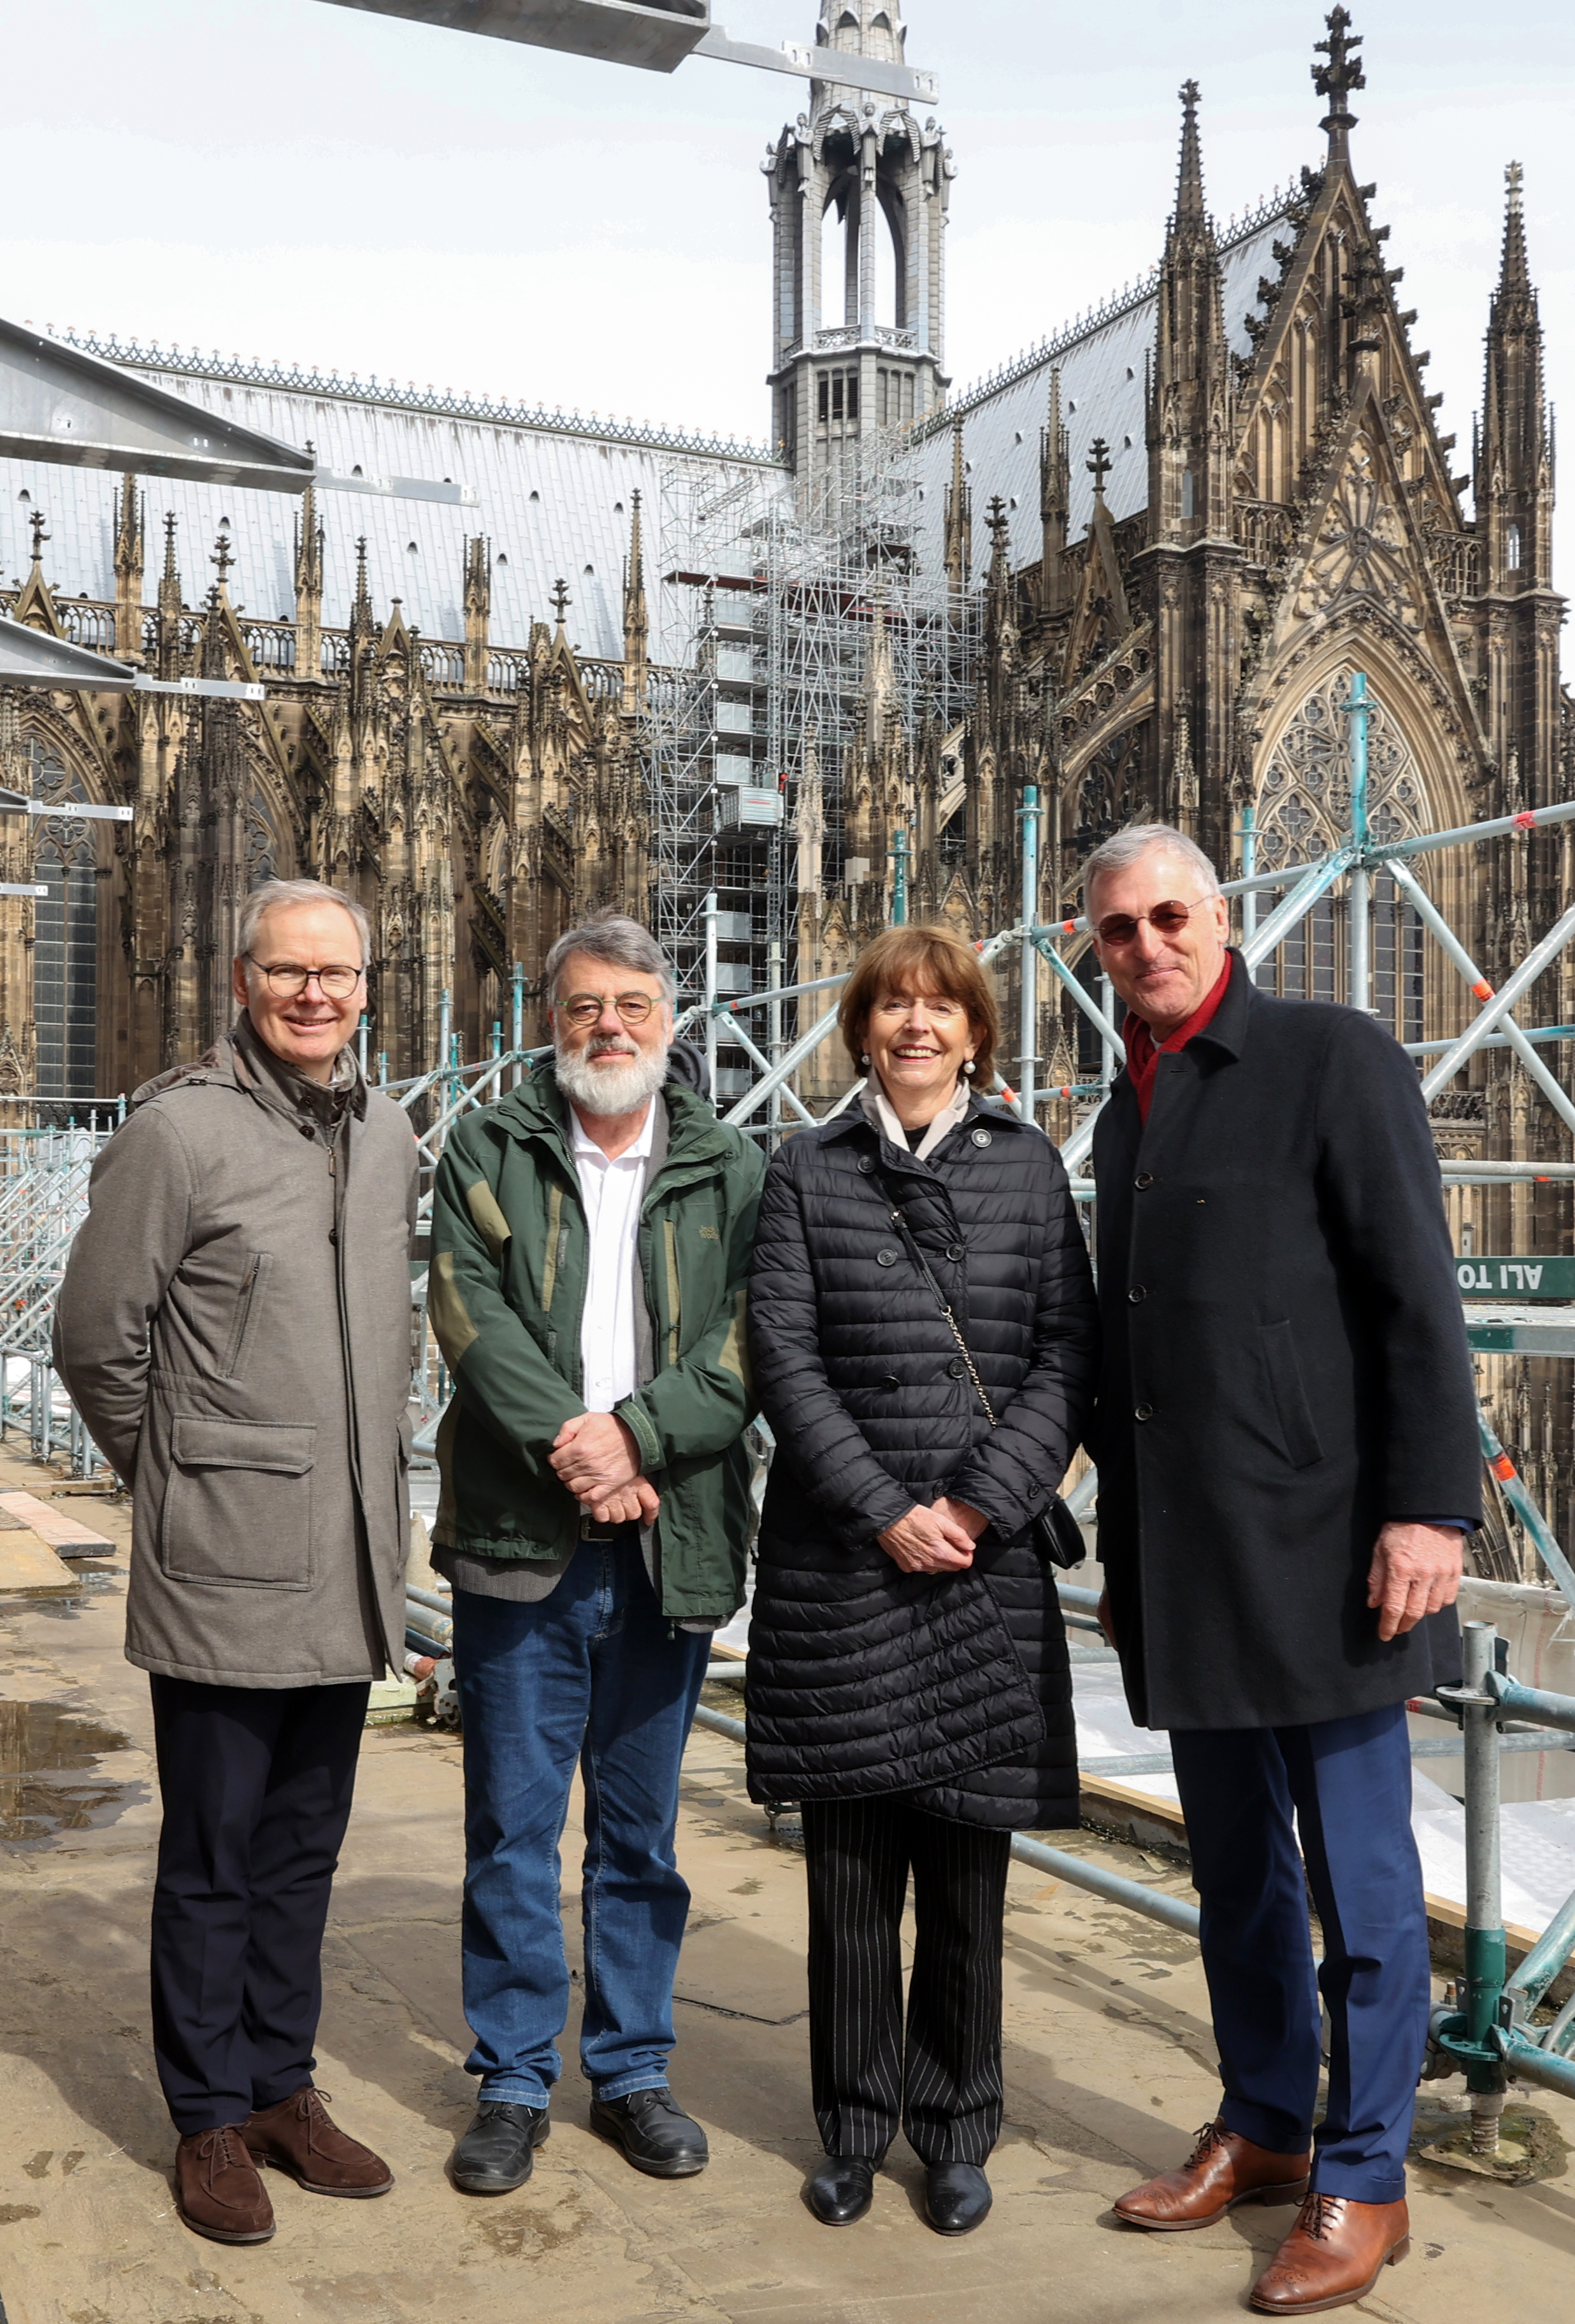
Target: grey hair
[1125, 847]
[618, 941]
[273, 893]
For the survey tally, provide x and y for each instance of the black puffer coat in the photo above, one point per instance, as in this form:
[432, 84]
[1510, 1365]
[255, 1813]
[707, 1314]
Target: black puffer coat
[953, 1690]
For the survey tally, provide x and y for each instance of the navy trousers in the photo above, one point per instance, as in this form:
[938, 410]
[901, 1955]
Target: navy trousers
[257, 1783]
[1346, 1784]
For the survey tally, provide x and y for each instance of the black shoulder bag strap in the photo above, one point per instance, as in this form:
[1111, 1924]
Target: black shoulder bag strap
[1057, 1534]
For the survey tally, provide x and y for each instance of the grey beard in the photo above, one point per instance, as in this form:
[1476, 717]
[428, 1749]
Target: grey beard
[611, 1089]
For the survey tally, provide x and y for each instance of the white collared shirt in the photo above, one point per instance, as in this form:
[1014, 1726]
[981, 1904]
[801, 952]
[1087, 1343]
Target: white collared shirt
[611, 1193]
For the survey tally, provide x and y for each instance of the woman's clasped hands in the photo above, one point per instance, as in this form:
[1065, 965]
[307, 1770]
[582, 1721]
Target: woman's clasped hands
[936, 1539]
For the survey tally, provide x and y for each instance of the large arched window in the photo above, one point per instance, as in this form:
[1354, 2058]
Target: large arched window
[1303, 809]
[65, 956]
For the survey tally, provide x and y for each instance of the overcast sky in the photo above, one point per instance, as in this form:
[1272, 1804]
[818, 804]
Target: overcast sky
[288, 179]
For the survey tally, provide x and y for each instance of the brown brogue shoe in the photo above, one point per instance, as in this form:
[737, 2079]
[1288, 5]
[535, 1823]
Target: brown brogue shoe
[298, 2136]
[217, 2191]
[1223, 2169]
[1335, 2253]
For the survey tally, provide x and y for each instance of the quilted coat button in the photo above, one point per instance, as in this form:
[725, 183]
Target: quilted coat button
[956, 1367]
[1144, 1178]
[954, 1251]
[1138, 1293]
[886, 1259]
[1143, 1412]
[866, 1165]
[981, 1138]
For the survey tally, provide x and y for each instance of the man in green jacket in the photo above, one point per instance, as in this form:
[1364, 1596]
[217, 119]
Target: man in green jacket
[590, 1246]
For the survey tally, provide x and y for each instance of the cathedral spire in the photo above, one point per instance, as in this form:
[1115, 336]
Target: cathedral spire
[1514, 466]
[1054, 505]
[959, 551]
[478, 608]
[1514, 272]
[636, 616]
[130, 526]
[1189, 416]
[1189, 186]
[169, 580]
[1335, 79]
[308, 588]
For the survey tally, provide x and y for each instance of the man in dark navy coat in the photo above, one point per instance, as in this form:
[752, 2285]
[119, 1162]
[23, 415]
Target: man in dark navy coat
[1287, 1453]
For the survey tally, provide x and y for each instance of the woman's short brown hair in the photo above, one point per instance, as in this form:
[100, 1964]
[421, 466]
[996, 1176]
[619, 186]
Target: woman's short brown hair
[922, 960]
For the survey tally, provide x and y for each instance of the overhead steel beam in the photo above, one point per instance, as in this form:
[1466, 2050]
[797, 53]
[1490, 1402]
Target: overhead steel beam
[656, 38]
[60, 405]
[840, 68]
[615, 31]
[34, 658]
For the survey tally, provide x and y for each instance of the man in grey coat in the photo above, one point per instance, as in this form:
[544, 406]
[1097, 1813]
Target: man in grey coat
[235, 1329]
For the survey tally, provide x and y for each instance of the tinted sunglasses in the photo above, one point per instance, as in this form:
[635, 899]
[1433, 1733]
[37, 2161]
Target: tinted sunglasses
[1120, 928]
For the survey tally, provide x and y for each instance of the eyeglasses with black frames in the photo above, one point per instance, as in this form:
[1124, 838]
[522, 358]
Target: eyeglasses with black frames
[585, 1008]
[289, 982]
[1119, 929]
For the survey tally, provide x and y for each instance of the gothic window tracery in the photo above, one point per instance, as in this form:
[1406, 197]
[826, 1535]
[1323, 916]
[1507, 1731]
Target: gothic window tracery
[1304, 810]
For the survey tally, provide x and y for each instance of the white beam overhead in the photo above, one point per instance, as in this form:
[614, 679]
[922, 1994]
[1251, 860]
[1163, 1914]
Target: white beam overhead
[656, 39]
[60, 404]
[32, 658]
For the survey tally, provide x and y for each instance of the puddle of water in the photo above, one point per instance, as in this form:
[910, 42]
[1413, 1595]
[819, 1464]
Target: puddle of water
[45, 1788]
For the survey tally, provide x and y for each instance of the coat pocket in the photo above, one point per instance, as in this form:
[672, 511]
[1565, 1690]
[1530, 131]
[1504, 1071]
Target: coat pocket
[238, 1503]
[1297, 1432]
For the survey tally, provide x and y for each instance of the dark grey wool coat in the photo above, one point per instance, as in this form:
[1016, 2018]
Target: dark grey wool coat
[863, 1680]
[1284, 1367]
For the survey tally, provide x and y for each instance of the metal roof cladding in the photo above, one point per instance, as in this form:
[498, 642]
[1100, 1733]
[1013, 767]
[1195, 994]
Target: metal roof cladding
[1103, 374]
[553, 494]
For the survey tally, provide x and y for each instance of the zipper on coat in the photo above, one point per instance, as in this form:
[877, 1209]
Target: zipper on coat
[243, 1315]
[675, 1300]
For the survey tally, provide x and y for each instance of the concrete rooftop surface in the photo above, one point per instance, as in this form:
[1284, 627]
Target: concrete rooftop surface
[1109, 2070]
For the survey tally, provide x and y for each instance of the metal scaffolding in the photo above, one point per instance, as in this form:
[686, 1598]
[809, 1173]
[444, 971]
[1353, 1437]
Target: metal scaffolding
[784, 618]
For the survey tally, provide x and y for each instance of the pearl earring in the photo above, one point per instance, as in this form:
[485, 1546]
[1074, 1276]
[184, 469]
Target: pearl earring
[968, 1066]
[865, 1059]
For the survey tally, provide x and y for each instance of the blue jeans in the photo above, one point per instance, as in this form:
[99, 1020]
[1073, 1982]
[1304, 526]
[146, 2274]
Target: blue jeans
[1348, 1783]
[590, 1677]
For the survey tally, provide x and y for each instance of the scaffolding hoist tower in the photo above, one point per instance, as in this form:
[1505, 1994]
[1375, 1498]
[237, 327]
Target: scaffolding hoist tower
[772, 608]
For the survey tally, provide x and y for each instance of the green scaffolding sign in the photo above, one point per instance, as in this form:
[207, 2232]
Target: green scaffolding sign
[1516, 1278]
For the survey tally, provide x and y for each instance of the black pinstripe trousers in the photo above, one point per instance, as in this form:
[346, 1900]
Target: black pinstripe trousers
[942, 2083]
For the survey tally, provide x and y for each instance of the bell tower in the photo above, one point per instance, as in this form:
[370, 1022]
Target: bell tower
[859, 193]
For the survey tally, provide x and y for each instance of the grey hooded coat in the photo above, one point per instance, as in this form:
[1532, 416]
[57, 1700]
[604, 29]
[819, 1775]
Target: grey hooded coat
[234, 1327]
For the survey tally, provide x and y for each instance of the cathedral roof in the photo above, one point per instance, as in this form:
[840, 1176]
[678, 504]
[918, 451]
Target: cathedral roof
[553, 494]
[1102, 361]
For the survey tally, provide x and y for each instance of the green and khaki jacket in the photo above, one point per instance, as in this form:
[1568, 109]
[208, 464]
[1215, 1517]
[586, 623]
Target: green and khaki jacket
[506, 1294]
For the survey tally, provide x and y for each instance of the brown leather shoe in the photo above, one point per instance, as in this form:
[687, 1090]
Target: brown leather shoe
[217, 2191]
[1335, 2253]
[297, 2136]
[1222, 2170]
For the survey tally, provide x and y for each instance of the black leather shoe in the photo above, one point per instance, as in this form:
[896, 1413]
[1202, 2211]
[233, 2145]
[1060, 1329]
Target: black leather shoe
[956, 2196]
[655, 2133]
[842, 2190]
[498, 2150]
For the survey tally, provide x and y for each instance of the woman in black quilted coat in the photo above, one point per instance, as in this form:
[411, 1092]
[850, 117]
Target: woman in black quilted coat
[908, 1674]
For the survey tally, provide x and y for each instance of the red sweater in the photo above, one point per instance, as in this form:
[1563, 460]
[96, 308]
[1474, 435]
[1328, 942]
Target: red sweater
[1143, 1050]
